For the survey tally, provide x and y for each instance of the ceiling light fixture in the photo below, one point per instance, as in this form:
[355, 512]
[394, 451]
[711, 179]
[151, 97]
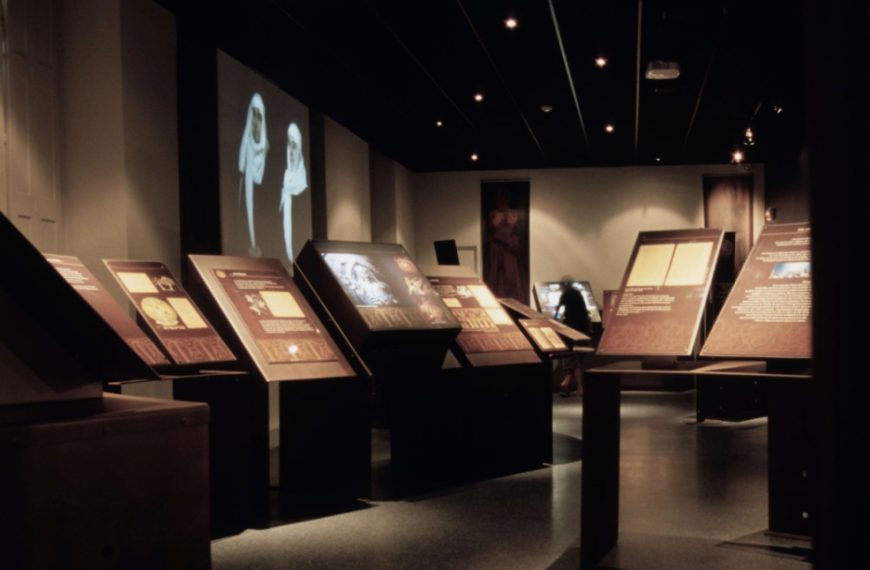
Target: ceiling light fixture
[600, 61]
[511, 23]
[609, 128]
[658, 159]
[478, 97]
[546, 108]
[748, 137]
[737, 156]
[439, 123]
[474, 157]
[777, 109]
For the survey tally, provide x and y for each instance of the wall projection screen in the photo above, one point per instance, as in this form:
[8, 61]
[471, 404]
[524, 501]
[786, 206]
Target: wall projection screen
[263, 145]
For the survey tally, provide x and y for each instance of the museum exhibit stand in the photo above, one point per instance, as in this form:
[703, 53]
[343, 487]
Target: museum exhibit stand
[324, 451]
[761, 338]
[88, 480]
[387, 310]
[497, 371]
[125, 487]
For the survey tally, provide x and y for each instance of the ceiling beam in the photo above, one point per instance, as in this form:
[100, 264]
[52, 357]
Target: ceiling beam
[568, 73]
[638, 78]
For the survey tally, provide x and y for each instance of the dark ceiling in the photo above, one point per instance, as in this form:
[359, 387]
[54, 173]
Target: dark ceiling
[389, 70]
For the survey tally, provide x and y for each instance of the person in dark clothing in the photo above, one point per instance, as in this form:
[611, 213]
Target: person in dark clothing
[575, 313]
[572, 306]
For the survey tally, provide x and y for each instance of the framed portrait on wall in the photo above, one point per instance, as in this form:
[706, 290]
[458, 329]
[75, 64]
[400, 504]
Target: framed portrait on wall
[504, 217]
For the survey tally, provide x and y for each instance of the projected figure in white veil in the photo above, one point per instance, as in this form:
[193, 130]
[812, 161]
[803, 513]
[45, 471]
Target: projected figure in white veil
[295, 182]
[252, 162]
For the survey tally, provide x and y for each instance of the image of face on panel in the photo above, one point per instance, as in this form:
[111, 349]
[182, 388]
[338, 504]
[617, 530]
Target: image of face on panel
[252, 162]
[295, 182]
[263, 146]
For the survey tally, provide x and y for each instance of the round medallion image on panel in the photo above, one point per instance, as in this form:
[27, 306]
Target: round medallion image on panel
[160, 311]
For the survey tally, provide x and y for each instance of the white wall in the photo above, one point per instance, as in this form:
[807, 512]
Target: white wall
[392, 202]
[583, 221]
[119, 137]
[348, 205]
[150, 132]
[405, 232]
[94, 203]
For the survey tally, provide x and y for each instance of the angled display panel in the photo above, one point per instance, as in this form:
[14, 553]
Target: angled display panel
[85, 284]
[569, 335]
[663, 294]
[54, 350]
[171, 316]
[543, 335]
[489, 336]
[373, 288]
[270, 318]
[768, 313]
[548, 293]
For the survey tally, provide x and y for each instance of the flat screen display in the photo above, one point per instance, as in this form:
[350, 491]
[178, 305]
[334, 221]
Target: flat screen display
[263, 145]
[388, 290]
[548, 293]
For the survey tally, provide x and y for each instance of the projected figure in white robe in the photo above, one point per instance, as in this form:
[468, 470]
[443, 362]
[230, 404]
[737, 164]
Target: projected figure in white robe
[252, 162]
[295, 182]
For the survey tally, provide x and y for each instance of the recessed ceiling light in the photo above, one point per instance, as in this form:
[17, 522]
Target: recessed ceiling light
[474, 157]
[439, 123]
[546, 108]
[777, 109]
[600, 61]
[478, 97]
[511, 23]
[609, 128]
[737, 156]
[658, 159]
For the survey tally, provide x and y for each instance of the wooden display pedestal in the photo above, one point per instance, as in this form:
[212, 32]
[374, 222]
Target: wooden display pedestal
[124, 488]
[462, 423]
[238, 447]
[325, 450]
[788, 442]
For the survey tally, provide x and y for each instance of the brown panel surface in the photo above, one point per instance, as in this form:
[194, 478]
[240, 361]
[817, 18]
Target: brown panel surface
[663, 294]
[85, 284]
[169, 312]
[768, 313]
[486, 327]
[270, 318]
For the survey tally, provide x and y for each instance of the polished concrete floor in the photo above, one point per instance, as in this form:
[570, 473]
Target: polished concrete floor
[692, 496]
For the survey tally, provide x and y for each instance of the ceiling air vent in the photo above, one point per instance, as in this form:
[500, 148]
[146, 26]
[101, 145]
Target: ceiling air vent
[659, 70]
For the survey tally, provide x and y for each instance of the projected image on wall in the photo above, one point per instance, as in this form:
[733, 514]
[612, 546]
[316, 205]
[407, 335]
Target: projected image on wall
[263, 132]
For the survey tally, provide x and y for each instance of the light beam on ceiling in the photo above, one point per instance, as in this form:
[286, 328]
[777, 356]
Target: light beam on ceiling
[568, 73]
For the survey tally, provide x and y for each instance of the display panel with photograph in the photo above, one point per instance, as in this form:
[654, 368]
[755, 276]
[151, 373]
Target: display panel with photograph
[169, 313]
[264, 165]
[661, 301]
[85, 284]
[388, 290]
[768, 313]
[548, 294]
[273, 322]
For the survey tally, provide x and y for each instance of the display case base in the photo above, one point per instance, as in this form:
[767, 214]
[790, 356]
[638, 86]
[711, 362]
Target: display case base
[124, 488]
